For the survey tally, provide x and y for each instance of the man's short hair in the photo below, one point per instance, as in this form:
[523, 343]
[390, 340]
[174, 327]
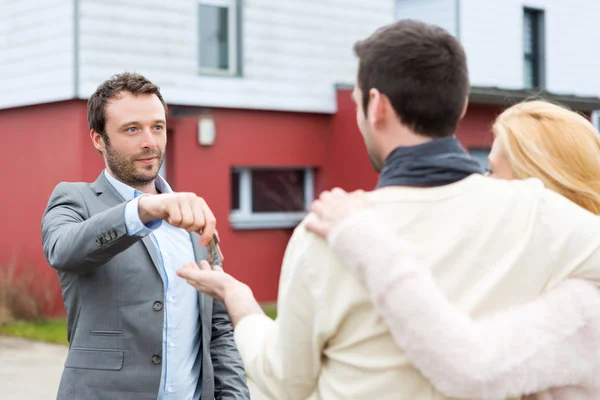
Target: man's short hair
[422, 69]
[133, 83]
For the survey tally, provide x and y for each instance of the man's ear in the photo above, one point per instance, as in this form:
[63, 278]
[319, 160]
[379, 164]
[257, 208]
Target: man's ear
[97, 140]
[465, 107]
[376, 108]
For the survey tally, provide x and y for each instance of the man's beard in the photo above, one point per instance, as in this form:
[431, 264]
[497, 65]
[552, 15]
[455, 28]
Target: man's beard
[123, 166]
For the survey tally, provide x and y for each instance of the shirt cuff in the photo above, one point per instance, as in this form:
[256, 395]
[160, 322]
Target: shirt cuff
[249, 334]
[135, 226]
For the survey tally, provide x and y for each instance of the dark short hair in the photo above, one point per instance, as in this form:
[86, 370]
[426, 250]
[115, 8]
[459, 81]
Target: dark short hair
[133, 83]
[422, 69]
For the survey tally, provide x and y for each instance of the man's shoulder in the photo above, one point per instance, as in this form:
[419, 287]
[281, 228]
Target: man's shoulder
[70, 185]
[473, 186]
[305, 246]
[310, 263]
[66, 187]
[301, 237]
[531, 197]
[69, 193]
[491, 186]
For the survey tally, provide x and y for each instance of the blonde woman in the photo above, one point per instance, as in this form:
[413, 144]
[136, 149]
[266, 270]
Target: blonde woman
[548, 348]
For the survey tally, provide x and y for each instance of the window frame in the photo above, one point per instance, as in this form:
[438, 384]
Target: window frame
[233, 36]
[538, 46]
[595, 117]
[245, 218]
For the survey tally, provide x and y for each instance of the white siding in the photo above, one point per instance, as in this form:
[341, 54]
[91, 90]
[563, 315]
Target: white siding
[492, 34]
[36, 51]
[437, 12]
[293, 51]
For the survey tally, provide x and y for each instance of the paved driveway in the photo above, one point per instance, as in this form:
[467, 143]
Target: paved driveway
[31, 370]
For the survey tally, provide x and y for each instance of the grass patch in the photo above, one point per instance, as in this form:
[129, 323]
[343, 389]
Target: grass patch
[54, 331]
[270, 309]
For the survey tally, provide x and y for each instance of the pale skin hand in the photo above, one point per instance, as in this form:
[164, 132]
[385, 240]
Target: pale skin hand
[237, 296]
[182, 210]
[332, 207]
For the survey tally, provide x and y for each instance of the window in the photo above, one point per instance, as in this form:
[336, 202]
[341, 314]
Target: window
[270, 198]
[218, 36]
[481, 155]
[596, 119]
[533, 48]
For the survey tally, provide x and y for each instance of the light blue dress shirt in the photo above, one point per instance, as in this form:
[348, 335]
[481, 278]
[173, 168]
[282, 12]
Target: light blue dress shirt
[182, 359]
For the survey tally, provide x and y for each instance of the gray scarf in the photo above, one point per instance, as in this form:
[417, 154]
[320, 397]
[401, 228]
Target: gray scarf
[436, 163]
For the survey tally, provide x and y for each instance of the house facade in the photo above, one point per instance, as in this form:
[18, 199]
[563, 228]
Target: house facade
[260, 118]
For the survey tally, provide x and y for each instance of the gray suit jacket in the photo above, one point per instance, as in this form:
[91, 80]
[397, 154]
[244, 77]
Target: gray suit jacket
[113, 295]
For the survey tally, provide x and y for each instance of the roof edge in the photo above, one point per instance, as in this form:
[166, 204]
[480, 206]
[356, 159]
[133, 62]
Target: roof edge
[490, 95]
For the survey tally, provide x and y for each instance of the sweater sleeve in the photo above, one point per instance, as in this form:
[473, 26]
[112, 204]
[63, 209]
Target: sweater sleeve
[549, 342]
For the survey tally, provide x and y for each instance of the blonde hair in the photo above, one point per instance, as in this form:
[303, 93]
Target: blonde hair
[556, 145]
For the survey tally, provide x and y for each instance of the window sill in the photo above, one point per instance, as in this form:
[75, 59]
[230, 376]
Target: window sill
[226, 73]
[265, 220]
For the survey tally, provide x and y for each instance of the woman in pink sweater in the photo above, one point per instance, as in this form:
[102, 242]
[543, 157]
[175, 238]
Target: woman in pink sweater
[554, 341]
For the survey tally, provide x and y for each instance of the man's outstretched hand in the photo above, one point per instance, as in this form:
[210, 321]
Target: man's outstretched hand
[214, 282]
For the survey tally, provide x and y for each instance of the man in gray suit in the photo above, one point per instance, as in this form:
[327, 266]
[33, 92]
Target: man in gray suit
[136, 330]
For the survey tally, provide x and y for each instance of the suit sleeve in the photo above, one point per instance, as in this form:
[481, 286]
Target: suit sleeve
[76, 243]
[229, 373]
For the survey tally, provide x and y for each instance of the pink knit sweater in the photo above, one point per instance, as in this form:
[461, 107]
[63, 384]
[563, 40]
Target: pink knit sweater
[549, 348]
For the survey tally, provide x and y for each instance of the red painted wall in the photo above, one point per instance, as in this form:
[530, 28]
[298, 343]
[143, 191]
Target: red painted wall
[50, 143]
[58, 148]
[42, 146]
[475, 128]
[245, 139]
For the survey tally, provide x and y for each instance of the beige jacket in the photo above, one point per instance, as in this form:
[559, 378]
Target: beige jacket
[549, 347]
[489, 244]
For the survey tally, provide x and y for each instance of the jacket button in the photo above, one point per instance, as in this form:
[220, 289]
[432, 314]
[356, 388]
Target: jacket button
[113, 235]
[157, 306]
[155, 359]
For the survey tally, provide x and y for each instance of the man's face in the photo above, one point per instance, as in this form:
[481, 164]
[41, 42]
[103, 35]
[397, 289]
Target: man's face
[365, 129]
[136, 130]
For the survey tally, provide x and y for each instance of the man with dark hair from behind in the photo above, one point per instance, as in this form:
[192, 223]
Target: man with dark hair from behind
[475, 234]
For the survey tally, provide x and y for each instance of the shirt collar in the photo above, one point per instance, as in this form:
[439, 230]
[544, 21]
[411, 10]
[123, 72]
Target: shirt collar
[129, 193]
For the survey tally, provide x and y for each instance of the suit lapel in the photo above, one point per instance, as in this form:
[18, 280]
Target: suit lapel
[149, 244]
[205, 302]
[111, 198]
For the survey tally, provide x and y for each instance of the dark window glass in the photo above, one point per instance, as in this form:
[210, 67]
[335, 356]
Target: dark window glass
[532, 47]
[235, 190]
[278, 190]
